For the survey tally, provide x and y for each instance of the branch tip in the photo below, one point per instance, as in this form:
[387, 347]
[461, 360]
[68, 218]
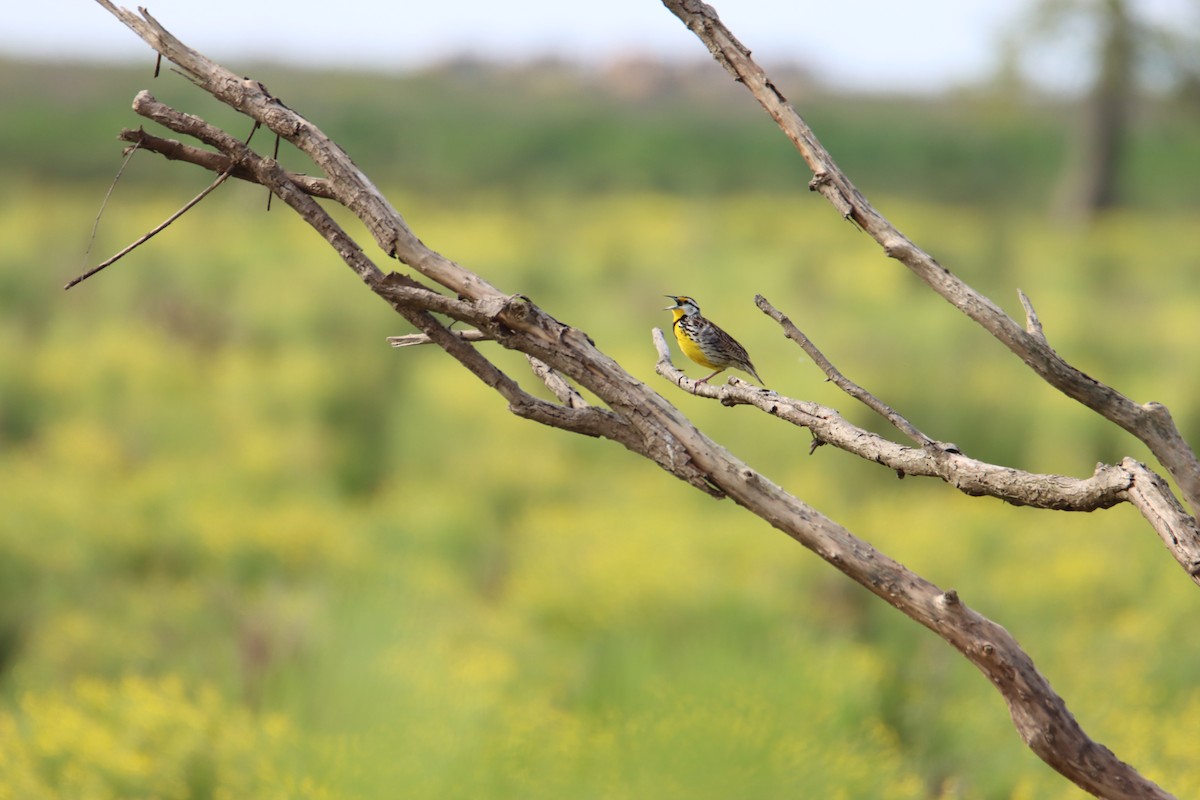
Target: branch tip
[152, 232]
[1033, 325]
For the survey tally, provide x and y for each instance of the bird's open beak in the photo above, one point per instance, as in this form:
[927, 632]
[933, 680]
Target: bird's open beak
[671, 297]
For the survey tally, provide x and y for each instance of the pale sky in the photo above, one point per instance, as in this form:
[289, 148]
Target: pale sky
[875, 44]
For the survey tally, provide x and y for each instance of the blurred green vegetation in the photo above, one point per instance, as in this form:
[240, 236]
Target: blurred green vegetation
[471, 126]
[247, 549]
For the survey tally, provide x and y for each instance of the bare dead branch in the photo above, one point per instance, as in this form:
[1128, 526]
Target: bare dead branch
[1039, 714]
[414, 339]
[585, 420]
[1150, 422]
[104, 203]
[838, 379]
[267, 172]
[354, 190]
[402, 289]
[151, 233]
[414, 303]
[565, 392]
[1177, 528]
[1033, 325]
[1103, 489]
[1131, 482]
[216, 162]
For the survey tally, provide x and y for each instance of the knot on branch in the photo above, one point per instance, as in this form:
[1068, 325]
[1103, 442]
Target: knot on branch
[519, 308]
[517, 312]
[899, 248]
[513, 308]
[947, 600]
[698, 7]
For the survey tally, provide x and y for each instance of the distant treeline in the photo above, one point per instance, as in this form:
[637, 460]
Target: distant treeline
[466, 126]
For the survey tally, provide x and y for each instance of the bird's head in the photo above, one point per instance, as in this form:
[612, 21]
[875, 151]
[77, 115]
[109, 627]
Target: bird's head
[684, 306]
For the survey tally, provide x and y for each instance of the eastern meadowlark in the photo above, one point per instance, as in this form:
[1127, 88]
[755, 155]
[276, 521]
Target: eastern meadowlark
[705, 343]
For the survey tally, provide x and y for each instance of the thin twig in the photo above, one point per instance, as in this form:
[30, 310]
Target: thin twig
[154, 231]
[838, 379]
[104, 204]
[175, 150]
[556, 383]
[1033, 325]
[275, 156]
[414, 339]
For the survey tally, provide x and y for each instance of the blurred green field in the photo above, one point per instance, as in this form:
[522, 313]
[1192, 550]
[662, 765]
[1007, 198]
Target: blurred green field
[247, 549]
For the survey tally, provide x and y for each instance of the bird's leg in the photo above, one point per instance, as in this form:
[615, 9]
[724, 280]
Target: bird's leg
[706, 379]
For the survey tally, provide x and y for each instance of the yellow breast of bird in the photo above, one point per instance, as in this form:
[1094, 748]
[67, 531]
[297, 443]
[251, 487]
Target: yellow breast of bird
[693, 350]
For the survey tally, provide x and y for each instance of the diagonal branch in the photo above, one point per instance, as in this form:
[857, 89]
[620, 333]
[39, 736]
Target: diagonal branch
[841, 381]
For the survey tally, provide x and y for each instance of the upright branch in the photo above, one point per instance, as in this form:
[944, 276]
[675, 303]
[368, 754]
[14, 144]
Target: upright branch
[565, 359]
